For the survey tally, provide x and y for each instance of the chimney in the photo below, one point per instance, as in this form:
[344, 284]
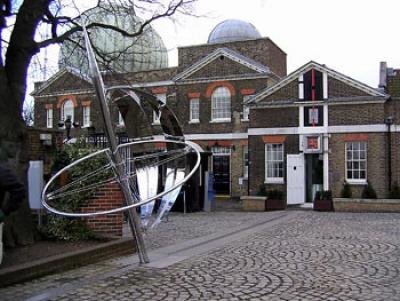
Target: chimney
[382, 75]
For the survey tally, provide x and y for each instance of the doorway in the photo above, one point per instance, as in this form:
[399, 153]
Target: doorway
[314, 175]
[221, 170]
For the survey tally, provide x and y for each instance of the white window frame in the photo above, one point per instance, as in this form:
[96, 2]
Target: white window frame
[274, 179]
[163, 98]
[353, 159]
[221, 97]
[86, 116]
[72, 110]
[246, 108]
[194, 104]
[49, 118]
[245, 167]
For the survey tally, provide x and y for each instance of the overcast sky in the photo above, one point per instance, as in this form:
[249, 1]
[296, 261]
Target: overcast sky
[350, 36]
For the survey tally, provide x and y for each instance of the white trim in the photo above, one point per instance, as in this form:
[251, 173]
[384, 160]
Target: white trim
[357, 182]
[194, 121]
[301, 116]
[373, 128]
[370, 128]
[274, 181]
[218, 79]
[222, 136]
[221, 120]
[325, 145]
[325, 116]
[301, 86]
[325, 86]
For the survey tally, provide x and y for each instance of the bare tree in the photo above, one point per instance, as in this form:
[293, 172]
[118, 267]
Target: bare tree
[19, 24]
[28, 113]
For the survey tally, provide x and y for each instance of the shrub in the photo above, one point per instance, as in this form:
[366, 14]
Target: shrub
[275, 194]
[346, 191]
[368, 192]
[394, 193]
[325, 195]
[58, 227]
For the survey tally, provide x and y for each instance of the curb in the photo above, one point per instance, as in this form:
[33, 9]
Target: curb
[41, 267]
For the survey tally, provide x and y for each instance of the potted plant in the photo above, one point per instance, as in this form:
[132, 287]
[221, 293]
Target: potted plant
[275, 200]
[368, 192]
[323, 201]
[346, 191]
[394, 193]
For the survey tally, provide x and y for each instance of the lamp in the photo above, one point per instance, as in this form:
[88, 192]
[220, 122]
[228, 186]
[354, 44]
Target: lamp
[68, 125]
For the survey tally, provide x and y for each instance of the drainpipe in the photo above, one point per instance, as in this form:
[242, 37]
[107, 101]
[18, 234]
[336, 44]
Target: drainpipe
[389, 121]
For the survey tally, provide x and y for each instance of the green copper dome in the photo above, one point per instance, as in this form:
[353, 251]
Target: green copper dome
[121, 53]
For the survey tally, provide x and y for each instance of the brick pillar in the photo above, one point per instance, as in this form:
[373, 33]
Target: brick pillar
[108, 197]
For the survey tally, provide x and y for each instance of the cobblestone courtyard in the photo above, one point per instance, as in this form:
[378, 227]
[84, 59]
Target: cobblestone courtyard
[291, 255]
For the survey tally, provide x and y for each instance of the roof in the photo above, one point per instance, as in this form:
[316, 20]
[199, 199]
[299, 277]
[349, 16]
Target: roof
[322, 68]
[233, 30]
[229, 53]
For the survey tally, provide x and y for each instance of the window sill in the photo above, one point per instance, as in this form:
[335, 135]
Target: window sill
[274, 181]
[221, 120]
[357, 182]
[194, 121]
[156, 123]
[245, 120]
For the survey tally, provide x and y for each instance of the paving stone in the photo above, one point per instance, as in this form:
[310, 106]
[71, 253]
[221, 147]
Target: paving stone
[314, 256]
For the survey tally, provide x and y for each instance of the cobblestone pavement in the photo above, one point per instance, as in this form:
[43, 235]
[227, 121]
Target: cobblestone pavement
[310, 256]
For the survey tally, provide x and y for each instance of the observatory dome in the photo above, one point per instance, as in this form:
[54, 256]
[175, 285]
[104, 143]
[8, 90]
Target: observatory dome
[233, 30]
[124, 54]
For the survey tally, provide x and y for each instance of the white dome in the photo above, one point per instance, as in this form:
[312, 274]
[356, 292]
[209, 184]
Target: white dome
[233, 30]
[125, 54]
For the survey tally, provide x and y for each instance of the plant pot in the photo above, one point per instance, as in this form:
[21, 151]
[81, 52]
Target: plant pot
[275, 204]
[323, 205]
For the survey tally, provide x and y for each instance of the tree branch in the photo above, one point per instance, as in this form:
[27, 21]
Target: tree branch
[169, 11]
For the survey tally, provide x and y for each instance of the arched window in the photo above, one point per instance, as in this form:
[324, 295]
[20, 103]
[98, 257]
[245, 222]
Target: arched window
[221, 104]
[67, 110]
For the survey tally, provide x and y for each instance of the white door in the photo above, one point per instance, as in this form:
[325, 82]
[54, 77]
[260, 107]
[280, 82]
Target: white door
[296, 184]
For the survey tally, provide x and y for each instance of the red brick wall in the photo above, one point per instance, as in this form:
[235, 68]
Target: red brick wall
[106, 198]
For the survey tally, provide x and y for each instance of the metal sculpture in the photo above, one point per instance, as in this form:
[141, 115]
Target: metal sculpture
[136, 166]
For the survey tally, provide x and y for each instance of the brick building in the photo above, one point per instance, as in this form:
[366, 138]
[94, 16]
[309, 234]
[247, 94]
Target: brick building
[317, 129]
[206, 91]
[233, 97]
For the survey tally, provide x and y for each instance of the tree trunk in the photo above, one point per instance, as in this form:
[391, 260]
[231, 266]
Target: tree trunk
[13, 135]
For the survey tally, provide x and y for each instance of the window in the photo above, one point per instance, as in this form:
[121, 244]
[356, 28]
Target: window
[274, 163]
[67, 110]
[313, 116]
[356, 161]
[221, 104]
[120, 119]
[245, 161]
[163, 98]
[246, 109]
[313, 85]
[194, 110]
[86, 116]
[49, 118]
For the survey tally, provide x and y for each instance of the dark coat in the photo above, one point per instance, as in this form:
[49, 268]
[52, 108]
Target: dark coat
[10, 185]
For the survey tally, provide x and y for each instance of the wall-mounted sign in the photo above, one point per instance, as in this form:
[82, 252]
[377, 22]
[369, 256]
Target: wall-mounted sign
[312, 144]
